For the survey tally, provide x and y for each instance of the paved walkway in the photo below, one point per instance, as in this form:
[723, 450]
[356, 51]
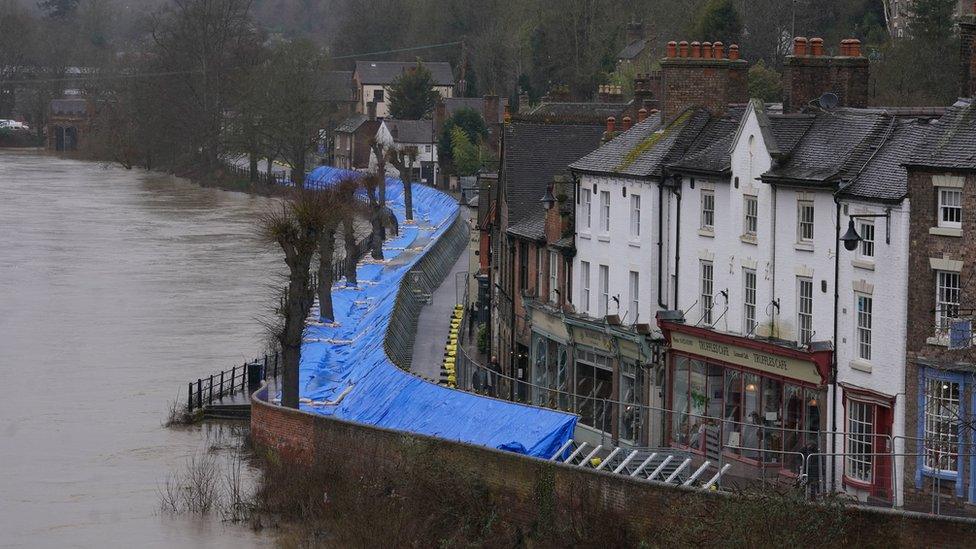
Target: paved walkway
[435, 322]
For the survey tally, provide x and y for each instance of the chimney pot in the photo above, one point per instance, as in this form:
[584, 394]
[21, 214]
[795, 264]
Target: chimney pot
[611, 124]
[734, 52]
[508, 114]
[672, 49]
[855, 47]
[627, 122]
[816, 47]
[683, 49]
[695, 49]
[707, 50]
[718, 50]
[845, 47]
[641, 115]
[799, 46]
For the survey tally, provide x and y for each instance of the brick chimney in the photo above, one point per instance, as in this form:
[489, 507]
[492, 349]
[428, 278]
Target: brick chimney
[702, 75]
[440, 116]
[371, 110]
[647, 89]
[809, 73]
[967, 54]
[635, 32]
[491, 110]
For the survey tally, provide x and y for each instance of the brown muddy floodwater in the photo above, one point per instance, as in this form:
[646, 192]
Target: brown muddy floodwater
[116, 288]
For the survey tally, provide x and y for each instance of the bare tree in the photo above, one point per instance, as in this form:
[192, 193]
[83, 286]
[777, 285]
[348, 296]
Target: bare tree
[296, 227]
[402, 159]
[374, 185]
[342, 212]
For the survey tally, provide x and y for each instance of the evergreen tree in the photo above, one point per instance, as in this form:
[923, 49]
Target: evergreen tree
[412, 94]
[932, 19]
[717, 20]
[473, 125]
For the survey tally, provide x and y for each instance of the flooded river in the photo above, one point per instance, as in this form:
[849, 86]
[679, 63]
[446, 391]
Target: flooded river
[116, 288]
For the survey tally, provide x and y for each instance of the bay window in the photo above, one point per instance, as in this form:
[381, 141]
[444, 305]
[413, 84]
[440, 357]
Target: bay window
[858, 458]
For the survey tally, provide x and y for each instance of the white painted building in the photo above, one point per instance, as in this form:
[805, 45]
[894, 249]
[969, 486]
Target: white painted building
[373, 78]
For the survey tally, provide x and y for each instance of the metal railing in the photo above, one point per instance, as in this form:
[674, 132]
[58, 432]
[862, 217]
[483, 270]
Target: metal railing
[418, 286]
[206, 391]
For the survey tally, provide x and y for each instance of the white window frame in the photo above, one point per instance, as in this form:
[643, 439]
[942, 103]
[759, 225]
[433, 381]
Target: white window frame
[706, 290]
[804, 310]
[947, 299]
[707, 210]
[859, 444]
[553, 276]
[604, 303]
[634, 286]
[950, 210]
[587, 207]
[804, 222]
[635, 210]
[866, 249]
[748, 301]
[863, 321]
[605, 211]
[585, 286]
[750, 214]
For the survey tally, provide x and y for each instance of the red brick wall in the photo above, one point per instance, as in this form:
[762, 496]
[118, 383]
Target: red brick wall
[528, 491]
[806, 78]
[709, 83]
[967, 61]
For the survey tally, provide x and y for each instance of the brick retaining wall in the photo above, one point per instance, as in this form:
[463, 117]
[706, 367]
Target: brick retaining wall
[515, 482]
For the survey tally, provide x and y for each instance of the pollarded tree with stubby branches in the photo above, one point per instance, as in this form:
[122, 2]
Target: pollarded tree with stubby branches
[402, 159]
[297, 227]
[412, 95]
[345, 208]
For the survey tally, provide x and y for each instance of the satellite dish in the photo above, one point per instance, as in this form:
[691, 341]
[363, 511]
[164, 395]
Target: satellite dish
[829, 100]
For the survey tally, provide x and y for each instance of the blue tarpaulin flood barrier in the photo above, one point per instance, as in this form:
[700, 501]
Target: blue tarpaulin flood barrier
[345, 373]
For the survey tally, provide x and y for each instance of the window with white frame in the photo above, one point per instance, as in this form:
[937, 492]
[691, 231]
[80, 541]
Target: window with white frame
[866, 248]
[946, 299]
[553, 277]
[804, 221]
[707, 210]
[858, 461]
[604, 290]
[587, 207]
[864, 305]
[941, 418]
[749, 300]
[804, 310]
[585, 286]
[634, 285]
[605, 211]
[635, 209]
[950, 207]
[706, 299]
[750, 208]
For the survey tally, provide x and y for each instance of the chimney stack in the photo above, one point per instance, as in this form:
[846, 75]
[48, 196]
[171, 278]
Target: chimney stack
[707, 78]
[371, 110]
[647, 89]
[809, 73]
[635, 32]
[967, 54]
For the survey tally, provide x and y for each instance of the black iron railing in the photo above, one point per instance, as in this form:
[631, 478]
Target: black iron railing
[239, 379]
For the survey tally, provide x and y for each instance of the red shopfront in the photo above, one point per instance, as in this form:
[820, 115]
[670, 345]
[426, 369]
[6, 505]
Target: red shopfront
[745, 399]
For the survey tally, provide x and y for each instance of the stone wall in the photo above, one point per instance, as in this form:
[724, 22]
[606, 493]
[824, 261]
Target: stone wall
[531, 494]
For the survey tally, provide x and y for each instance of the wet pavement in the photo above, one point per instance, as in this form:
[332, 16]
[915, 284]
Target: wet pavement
[116, 288]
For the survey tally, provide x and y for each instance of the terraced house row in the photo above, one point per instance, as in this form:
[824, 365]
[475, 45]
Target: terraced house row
[781, 287]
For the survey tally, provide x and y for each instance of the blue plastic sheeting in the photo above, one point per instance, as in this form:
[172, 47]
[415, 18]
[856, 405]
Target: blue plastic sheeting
[345, 372]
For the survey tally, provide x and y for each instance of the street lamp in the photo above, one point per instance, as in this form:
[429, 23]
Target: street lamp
[851, 238]
[548, 201]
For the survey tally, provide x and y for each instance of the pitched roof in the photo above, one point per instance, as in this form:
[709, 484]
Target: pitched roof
[339, 86]
[633, 49]
[533, 153]
[411, 131]
[532, 226]
[595, 113]
[835, 146]
[709, 153]
[952, 140]
[883, 176]
[384, 72]
[646, 148]
[351, 124]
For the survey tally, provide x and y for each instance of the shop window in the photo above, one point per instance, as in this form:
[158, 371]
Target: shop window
[733, 410]
[540, 367]
[858, 459]
[941, 425]
[679, 404]
[562, 378]
[771, 434]
[631, 411]
[594, 386]
[753, 421]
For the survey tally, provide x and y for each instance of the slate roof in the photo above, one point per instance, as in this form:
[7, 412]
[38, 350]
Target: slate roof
[883, 176]
[339, 86]
[533, 153]
[596, 113]
[351, 124]
[411, 131]
[532, 226]
[647, 147]
[384, 72]
[834, 147]
[952, 140]
[788, 129]
[633, 49]
[709, 154]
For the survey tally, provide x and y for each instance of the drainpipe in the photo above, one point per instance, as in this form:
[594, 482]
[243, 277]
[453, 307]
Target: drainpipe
[833, 359]
[677, 236]
[660, 244]
[774, 327]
